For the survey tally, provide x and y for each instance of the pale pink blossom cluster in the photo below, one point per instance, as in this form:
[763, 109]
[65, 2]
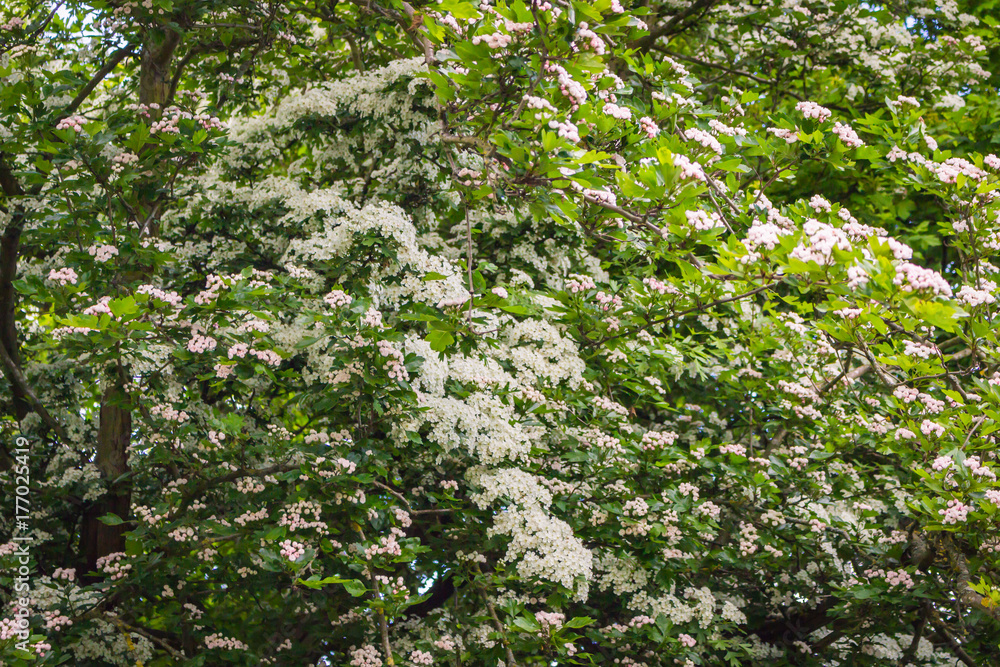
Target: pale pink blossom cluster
[914, 278]
[102, 307]
[170, 121]
[122, 160]
[763, 234]
[247, 517]
[213, 285]
[615, 111]
[580, 283]
[688, 489]
[705, 139]
[904, 99]
[992, 161]
[393, 361]
[636, 507]
[748, 539]
[500, 292]
[847, 135]
[608, 301]
[69, 573]
[387, 546]
[922, 350]
[446, 303]
[199, 343]
[942, 463]
[721, 128]
[538, 103]
[689, 169]
[295, 516]
[183, 534]
[856, 276]
[591, 40]
[241, 350]
[790, 136]
[687, 640]
[601, 196]
[12, 627]
[658, 439]
[899, 249]
[566, 130]
[102, 253]
[113, 566]
[993, 496]
[822, 240]
[820, 203]
[421, 658]
[366, 656]
[955, 512]
[905, 394]
[217, 640]
[550, 619]
[64, 276]
[892, 577]
[55, 620]
[171, 297]
[905, 434]
[659, 286]
[372, 318]
[338, 299]
[292, 550]
[223, 371]
[931, 428]
[708, 509]
[446, 643]
[704, 220]
[253, 325]
[74, 123]
[169, 413]
[647, 125]
[973, 297]
[976, 467]
[61, 332]
[568, 86]
[610, 406]
[496, 40]
[896, 153]
[813, 110]
[949, 170]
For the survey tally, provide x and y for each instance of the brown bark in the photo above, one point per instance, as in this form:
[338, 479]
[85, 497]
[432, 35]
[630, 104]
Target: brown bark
[113, 438]
[154, 73]
[10, 246]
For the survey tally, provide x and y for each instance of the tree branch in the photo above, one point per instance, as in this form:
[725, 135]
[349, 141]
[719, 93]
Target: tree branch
[112, 63]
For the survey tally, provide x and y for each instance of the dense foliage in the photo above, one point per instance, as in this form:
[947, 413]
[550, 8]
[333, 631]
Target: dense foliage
[562, 332]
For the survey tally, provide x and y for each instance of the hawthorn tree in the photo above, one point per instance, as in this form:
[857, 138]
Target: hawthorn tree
[517, 333]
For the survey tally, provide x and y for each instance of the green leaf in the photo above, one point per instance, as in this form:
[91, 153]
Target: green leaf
[315, 582]
[355, 587]
[439, 340]
[125, 306]
[527, 624]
